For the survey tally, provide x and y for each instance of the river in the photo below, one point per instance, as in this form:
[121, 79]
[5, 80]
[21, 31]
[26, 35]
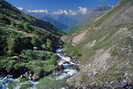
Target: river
[69, 68]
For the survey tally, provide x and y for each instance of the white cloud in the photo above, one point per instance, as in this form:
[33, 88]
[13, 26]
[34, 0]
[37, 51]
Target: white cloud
[72, 12]
[59, 12]
[65, 12]
[20, 8]
[83, 10]
[80, 10]
[38, 11]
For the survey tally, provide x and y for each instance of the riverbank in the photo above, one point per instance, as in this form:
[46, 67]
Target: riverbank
[67, 67]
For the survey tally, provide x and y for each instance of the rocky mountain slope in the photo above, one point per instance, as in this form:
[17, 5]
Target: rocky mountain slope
[26, 44]
[105, 49]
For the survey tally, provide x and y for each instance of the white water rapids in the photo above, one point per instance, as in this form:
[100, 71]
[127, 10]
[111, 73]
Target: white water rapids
[68, 64]
[69, 69]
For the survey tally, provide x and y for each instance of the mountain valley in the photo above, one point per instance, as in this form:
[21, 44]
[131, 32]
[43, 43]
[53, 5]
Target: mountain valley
[96, 52]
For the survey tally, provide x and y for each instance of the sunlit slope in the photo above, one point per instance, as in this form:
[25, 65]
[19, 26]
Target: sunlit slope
[105, 48]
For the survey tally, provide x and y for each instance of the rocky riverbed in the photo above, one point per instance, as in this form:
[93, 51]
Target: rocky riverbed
[67, 67]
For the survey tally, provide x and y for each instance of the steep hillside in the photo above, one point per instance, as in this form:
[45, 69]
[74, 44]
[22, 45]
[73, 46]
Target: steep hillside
[89, 18]
[105, 49]
[11, 12]
[26, 44]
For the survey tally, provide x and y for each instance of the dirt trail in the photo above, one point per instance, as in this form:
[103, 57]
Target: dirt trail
[78, 38]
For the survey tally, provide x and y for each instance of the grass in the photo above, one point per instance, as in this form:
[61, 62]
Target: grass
[72, 51]
[26, 86]
[50, 83]
[109, 36]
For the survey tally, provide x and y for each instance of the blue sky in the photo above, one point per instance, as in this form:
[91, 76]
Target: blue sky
[60, 4]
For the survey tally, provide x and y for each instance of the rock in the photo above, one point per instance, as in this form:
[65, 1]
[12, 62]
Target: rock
[35, 48]
[35, 77]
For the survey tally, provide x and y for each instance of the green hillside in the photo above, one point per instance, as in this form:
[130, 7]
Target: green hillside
[26, 43]
[105, 49]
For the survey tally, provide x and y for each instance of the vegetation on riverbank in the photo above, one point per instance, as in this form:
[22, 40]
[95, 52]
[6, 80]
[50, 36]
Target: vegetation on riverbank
[26, 44]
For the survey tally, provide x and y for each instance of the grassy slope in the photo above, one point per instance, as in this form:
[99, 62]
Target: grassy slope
[110, 39]
[16, 15]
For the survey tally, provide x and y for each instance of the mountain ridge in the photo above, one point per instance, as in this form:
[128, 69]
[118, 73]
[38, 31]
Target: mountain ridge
[68, 22]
